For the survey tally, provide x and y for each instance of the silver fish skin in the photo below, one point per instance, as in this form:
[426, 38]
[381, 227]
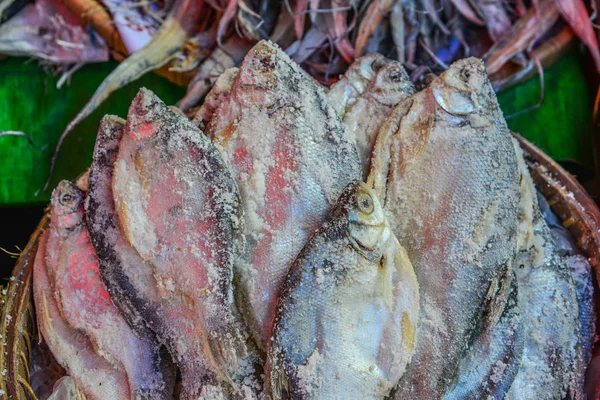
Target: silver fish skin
[365, 116]
[179, 207]
[291, 158]
[548, 299]
[95, 376]
[130, 279]
[445, 166]
[85, 303]
[346, 320]
[354, 82]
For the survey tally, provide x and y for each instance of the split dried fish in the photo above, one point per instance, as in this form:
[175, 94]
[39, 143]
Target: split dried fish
[95, 376]
[445, 167]
[346, 320]
[179, 207]
[85, 304]
[291, 159]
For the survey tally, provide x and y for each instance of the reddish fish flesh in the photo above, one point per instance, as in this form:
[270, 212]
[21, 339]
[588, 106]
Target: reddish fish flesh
[179, 208]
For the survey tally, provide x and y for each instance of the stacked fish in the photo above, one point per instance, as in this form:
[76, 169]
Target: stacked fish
[368, 241]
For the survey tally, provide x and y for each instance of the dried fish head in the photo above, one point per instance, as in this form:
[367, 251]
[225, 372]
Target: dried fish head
[67, 205]
[367, 226]
[347, 316]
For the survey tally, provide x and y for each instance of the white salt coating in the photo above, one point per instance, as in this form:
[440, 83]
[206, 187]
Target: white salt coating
[450, 185]
[346, 321]
[192, 212]
[291, 158]
[92, 373]
[370, 109]
[84, 303]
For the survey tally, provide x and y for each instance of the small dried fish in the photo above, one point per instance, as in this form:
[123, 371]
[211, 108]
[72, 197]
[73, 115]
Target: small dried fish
[522, 35]
[346, 320]
[445, 167]
[93, 374]
[375, 13]
[291, 159]
[369, 111]
[353, 83]
[85, 304]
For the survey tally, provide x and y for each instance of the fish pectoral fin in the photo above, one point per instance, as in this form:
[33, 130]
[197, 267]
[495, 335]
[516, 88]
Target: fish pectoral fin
[497, 297]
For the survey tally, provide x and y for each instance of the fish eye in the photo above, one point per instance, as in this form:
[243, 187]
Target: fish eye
[66, 199]
[364, 202]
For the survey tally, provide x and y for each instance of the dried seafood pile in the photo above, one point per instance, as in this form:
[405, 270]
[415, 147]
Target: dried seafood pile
[194, 41]
[369, 241]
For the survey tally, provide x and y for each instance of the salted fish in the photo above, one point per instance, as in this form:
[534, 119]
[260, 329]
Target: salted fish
[95, 376]
[354, 82]
[179, 207]
[84, 302]
[365, 116]
[131, 280]
[446, 171]
[548, 299]
[346, 320]
[291, 158]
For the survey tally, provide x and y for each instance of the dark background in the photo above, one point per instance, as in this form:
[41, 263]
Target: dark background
[18, 223]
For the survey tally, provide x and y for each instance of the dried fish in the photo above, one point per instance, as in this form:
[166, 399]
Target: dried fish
[179, 207]
[93, 374]
[347, 315]
[85, 304]
[353, 83]
[291, 158]
[445, 167]
[369, 111]
[548, 299]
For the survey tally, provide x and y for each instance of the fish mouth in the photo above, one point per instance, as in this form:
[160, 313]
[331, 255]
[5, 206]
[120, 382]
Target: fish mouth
[368, 239]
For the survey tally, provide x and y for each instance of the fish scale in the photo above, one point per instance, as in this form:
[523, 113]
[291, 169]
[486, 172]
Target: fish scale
[445, 167]
[291, 158]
